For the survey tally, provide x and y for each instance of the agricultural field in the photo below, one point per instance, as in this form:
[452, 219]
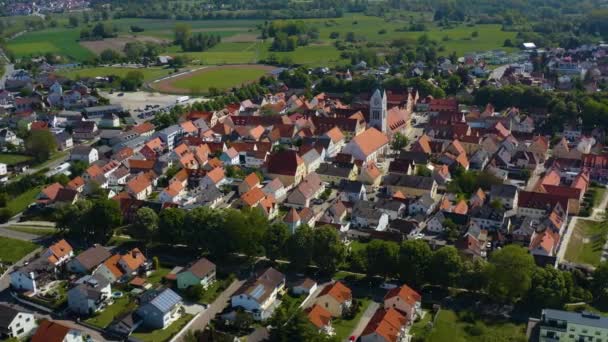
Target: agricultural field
[220, 77]
[12, 250]
[62, 41]
[149, 73]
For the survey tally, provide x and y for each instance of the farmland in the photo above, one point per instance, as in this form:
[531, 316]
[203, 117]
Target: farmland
[218, 77]
[61, 41]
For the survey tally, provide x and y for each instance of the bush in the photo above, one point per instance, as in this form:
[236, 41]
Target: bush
[476, 329]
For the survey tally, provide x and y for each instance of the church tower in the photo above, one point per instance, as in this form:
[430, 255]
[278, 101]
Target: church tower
[378, 111]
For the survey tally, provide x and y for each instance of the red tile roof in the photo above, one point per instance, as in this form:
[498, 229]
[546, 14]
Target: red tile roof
[318, 316]
[386, 324]
[50, 332]
[338, 291]
[284, 163]
[406, 293]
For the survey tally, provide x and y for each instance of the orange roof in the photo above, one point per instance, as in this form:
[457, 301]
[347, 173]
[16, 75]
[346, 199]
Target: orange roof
[445, 204]
[461, 208]
[216, 175]
[154, 144]
[142, 164]
[112, 265]
[338, 291]
[75, 183]
[386, 323]
[581, 181]
[267, 203]
[546, 240]
[188, 127]
[318, 316]
[370, 141]
[215, 163]
[139, 183]
[201, 152]
[398, 195]
[252, 180]
[335, 134]
[252, 197]
[180, 176]
[123, 153]
[94, 171]
[51, 191]
[174, 189]
[181, 149]
[372, 170]
[424, 143]
[59, 249]
[144, 127]
[551, 178]
[406, 293]
[458, 147]
[133, 259]
[256, 132]
[50, 332]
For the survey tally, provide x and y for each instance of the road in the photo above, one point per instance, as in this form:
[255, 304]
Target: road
[215, 308]
[365, 318]
[8, 68]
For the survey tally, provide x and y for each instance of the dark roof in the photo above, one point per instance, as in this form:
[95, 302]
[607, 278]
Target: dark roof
[93, 256]
[202, 267]
[487, 212]
[417, 182]
[416, 157]
[284, 162]
[503, 190]
[583, 318]
[347, 185]
[334, 170]
[539, 200]
[7, 315]
[66, 195]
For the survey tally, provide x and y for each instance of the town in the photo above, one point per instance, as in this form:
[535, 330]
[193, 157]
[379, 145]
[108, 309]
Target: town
[459, 200]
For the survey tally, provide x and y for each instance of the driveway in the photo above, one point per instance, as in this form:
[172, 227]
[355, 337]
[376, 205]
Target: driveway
[365, 318]
[216, 307]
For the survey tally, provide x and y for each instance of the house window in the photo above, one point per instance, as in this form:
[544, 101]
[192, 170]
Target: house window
[326, 304]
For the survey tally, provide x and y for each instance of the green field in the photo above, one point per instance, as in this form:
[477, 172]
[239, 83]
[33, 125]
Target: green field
[21, 202]
[219, 78]
[449, 327]
[12, 250]
[587, 242]
[12, 159]
[62, 41]
[149, 73]
[34, 230]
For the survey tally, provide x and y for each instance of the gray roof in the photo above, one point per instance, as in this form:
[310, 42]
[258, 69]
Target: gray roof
[166, 300]
[117, 108]
[333, 170]
[7, 315]
[503, 190]
[416, 182]
[350, 186]
[93, 256]
[584, 318]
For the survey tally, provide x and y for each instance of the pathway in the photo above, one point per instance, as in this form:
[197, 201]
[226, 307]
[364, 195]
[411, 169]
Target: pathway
[215, 308]
[13, 234]
[365, 318]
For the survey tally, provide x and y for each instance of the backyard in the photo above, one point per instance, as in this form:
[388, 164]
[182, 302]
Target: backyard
[344, 327]
[162, 335]
[587, 242]
[456, 327]
[12, 250]
[21, 202]
[120, 307]
[13, 159]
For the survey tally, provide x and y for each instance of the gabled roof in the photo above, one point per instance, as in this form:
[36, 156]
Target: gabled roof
[112, 265]
[253, 196]
[318, 316]
[338, 291]
[370, 141]
[335, 134]
[405, 293]
[133, 259]
[7, 315]
[93, 256]
[58, 250]
[284, 163]
[386, 324]
[292, 217]
[50, 332]
[201, 268]
[251, 180]
[51, 191]
[166, 300]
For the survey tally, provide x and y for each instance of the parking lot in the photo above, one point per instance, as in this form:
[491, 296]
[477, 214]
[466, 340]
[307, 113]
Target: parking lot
[143, 105]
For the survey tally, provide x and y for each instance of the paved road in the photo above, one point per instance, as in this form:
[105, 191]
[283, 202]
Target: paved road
[365, 318]
[215, 308]
[18, 235]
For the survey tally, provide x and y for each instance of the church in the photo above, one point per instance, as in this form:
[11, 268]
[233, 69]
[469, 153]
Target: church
[397, 118]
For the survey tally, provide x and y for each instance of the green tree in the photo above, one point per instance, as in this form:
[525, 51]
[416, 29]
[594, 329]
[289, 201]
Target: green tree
[73, 21]
[449, 262]
[414, 261]
[328, 250]
[300, 248]
[182, 33]
[599, 284]
[275, 239]
[510, 273]
[108, 56]
[549, 288]
[381, 258]
[40, 144]
[145, 224]
[399, 142]
[171, 226]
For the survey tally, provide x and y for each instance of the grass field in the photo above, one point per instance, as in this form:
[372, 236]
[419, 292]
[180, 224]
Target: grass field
[12, 250]
[162, 335]
[344, 328]
[120, 307]
[221, 77]
[149, 73]
[21, 202]
[12, 159]
[33, 230]
[586, 243]
[449, 327]
[62, 41]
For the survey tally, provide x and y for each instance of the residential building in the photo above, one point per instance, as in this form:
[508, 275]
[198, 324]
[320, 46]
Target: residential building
[321, 319]
[161, 310]
[202, 272]
[386, 325]
[15, 323]
[84, 153]
[51, 331]
[88, 260]
[367, 146]
[288, 166]
[566, 326]
[90, 295]
[309, 188]
[404, 299]
[411, 186]
[335, 298]
[59, 252]
[259, 295]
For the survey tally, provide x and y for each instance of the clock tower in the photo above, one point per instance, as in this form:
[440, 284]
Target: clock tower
[378, 111]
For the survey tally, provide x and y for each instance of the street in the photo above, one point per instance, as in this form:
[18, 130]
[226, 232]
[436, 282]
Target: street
[367, 316]
[215, 308]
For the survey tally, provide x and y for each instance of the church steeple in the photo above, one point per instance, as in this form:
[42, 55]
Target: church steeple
[378, 110]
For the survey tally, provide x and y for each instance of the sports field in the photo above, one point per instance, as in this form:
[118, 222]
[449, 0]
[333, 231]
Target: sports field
[149, 73]
[220, 77]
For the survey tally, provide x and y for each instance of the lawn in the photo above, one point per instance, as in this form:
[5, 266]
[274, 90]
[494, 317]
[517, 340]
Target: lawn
[344, 328]
[599, 196]
[21, 202]
[449, 327]
[149, 73]
[162, 335]
[13, 159]
[220, 78]
[62, 41]
[158, 275]
[587, 242]
[12, 250]
[120, 307]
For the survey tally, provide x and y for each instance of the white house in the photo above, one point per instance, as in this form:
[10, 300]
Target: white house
[3, 169]
[84, 153]
[259, 296]
[59, 252]
[367, 146]
[29, 277]
[15, 323]
[89, 295]
[404, 299]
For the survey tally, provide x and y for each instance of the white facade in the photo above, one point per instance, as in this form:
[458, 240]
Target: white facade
[22, 325]
[3, 169]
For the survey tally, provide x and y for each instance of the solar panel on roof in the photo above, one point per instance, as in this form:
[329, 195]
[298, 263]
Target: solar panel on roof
[258, 291]
[166, 300]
